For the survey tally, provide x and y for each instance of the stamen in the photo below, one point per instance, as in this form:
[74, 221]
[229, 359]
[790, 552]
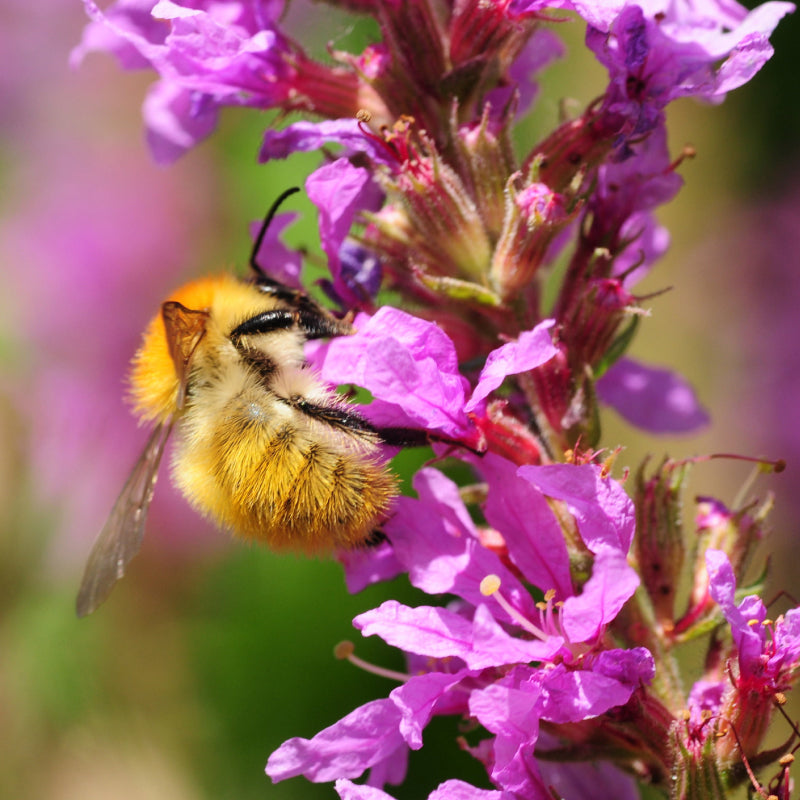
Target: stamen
[346, 650]
[490, 586]
[687, 152]
[763, 464]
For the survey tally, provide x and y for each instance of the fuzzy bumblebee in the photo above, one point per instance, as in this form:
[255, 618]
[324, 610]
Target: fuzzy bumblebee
[263, 448]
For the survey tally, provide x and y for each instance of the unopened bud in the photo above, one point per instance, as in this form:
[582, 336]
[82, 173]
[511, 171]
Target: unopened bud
[660, 545]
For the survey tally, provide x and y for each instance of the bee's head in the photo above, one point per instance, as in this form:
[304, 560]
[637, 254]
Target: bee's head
[160, 366]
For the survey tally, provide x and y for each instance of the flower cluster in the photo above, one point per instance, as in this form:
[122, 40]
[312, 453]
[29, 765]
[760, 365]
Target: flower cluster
[555, 614]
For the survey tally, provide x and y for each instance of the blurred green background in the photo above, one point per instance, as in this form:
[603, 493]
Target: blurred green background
[210, 654]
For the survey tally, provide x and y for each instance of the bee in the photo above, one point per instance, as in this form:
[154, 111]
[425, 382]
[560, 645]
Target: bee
[264, 448]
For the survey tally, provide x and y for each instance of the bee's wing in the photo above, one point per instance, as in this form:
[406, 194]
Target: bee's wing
[121, 537]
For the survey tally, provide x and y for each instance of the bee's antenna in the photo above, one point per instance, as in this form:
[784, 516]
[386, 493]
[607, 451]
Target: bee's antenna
[255, 266]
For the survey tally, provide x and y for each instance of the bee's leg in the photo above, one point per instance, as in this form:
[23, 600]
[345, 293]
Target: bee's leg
[316, 323]
[339, 418]
[414, 437]
[353, 422]
[406, 437]
[276, 289]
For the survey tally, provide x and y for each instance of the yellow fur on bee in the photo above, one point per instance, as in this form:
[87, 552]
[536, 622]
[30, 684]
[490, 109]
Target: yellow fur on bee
[265, 472]
[246, 457]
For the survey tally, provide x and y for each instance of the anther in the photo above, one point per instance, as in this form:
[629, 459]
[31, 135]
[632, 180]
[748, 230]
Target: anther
[489, 587]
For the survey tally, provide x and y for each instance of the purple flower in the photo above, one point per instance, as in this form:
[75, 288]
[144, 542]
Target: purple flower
[347, 790]
[620, 209]
[440, 633]
[340, 191]
[176, 120]
[377, 732]
[449, 790]
[410, 367]
[768, 650]
[541, 50]
[208, 56]
[508, 709]
[705, 699]
[656, 52]
[360, 273]
[440, 547]
[532, 349]
[762, 663]
[447, 556]
[306, 136]
[366, 566]
[365, 737]
[596, 780]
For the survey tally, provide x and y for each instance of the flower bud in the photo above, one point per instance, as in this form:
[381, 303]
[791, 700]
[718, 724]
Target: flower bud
[533, 216]
[563, 403]
[590, 325]
[735, 532]
[486, 160]
[572, 149]
[659, 544]
[446, 236]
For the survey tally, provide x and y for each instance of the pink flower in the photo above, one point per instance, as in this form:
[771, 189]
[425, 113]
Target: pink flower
[768, 650]
[511, 662]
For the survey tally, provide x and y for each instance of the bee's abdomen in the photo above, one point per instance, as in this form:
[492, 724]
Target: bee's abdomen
[270, 474]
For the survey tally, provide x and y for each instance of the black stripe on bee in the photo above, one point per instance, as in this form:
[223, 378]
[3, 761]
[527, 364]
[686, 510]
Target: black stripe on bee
[306, 316]
[277, 319]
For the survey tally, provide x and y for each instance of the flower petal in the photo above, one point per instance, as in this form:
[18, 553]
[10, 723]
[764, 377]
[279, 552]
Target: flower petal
[532, 348]
[347, 790]
[437, 542]
[605, 514]
[305, 136]
[416, 699]
[612, 584]
[458, 790]
[440, 633]
[573, 696]
[522, 515]
[654, 399]
[356, 742]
